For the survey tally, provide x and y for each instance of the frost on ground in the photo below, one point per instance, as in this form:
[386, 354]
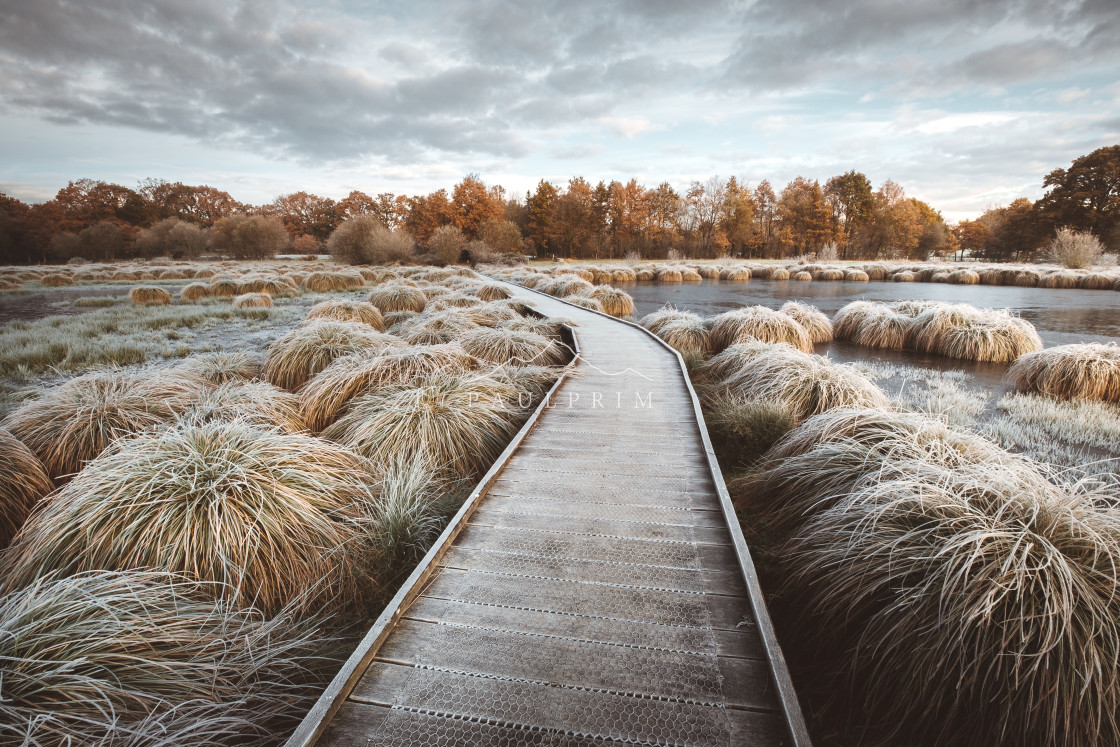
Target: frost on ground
[941, 394]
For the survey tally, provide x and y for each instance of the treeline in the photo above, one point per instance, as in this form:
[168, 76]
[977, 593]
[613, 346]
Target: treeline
[844, 218]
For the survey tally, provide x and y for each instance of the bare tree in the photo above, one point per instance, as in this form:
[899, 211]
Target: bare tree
[364, 240]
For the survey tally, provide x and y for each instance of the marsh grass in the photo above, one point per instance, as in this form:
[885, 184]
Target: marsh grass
[757, 323]
[23, 482]
[255, 402]
[458, 422]
[396, 296]
[613, 301]
[149, 658]
[815, 322]
[74, 422]
[1082, 371]
[308, 349]
[149, 294]
[519, 348]
[270, 515]
[221, 367]
[348, 311]
[327, 394]
[252, 301]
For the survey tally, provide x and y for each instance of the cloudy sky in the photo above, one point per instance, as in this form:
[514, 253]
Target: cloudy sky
[966, 103]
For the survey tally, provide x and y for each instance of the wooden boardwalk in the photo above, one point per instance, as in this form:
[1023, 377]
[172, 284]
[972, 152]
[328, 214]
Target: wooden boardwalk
[596, 588]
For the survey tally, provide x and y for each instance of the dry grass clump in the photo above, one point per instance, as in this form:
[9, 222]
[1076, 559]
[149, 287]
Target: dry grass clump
[1083, 371]
[270, 515]
[194, 292]
[586, 303]
[814, 321]
[830, 274]
[955, 330]
[1027, 279]
[779, 273]
[623, 275]
[436, 327]
[308, 349]
[223, 287]
[856, 276]
[945, 590]
[493, 292]
[327, 395]
[23, 481]
[876, 272]
[252, 301]
[1096, 281]
[669, 275]
[348, 311]
[802, 276]
[324, 281]
[74, 422]
[687, 334]
[735, 274]
[395, 296]
[1059, 279]
[645, 274]
[656, 320]
[56, 280]
[218, 368]
[458, 422]
[964, 277]
[757, 323]
[961, 331]
[254, 402]
[613, 301]
[149, 294]
[566, 285]
[509, 346]
[147, 658]
[904, 276]
[689, 275]
[274, 286]
[806, 384]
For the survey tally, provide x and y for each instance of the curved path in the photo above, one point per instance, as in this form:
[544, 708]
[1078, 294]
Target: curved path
[595, 589]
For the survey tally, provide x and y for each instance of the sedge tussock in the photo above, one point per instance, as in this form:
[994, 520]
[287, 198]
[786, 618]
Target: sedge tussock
[1078, 421]
[804, 384]
[194, 292]
[255, 402]
[623, 275]
[972, 606]
[23, 481]
[74, 422]
[223, 287]
[669, 275]
[270, 515]
[964, 277]
[645, 274]
[743, 428]
[655, 321]
[1081, 371]
[274, 286]
[613, 301]
[324, 281]
[459, 423]
[220, 367]
[252, 301]
[493, 292]
[585, 303]
[802, 276]
[730, 360]
[146, 294]
[328, 393]
[437, 328]
[814, 321]
[856, 276]
[56, 280]
[502, 346]
[688, 336]
[779, 273]
[734, 274]
[308, 349]
[1096, 281]
[389, 297]
[148, 658]
[830, 274]
[348, 311]
[1059, 279]
[758, 323]
[440, 300]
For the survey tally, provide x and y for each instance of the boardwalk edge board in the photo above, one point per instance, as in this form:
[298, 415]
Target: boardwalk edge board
[335, 694]
[787, 695]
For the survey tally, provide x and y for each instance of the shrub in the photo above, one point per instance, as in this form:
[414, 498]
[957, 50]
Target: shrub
[74, 422]
[148, 658]
[1083, 371]
[447, 244]
[364, 240]
[249, 236]
[147, 294]
[458, 423]
[23, 481]
[1075, 249]
[270, 515]
[502, 236]
[348, 311]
